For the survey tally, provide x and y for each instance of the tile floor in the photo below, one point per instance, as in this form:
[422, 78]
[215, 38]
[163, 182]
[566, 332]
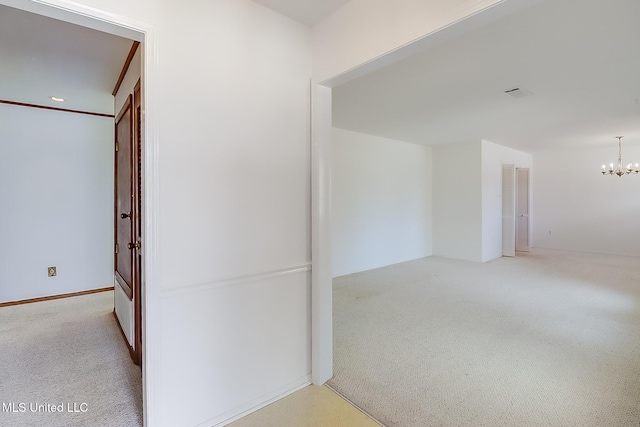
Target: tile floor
[311, 406]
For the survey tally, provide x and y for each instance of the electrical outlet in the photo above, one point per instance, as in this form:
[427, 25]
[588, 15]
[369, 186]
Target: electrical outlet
[52, 271]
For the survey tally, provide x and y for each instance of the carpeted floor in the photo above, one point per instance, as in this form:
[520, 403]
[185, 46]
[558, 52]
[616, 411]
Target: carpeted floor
[549, 338]
[67, 352]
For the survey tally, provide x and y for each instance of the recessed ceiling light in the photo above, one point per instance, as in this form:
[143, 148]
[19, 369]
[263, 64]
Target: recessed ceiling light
[57, 98]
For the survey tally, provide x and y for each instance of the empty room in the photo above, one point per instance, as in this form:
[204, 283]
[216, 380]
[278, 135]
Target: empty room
[436, 322]
[483, 265]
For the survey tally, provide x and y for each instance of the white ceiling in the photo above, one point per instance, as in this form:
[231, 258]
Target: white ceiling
[41, 57]
[309, 12]
[579, 58]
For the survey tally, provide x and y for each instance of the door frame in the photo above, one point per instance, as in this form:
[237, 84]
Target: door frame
[321, 129]
[321, 277]
[138, 232]
[124, 26]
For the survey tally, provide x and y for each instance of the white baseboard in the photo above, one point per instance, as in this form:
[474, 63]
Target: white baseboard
[258, 403]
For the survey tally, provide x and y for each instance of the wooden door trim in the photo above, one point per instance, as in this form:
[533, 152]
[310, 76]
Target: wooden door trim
[125, 67]
[54, 297]
[123, 110]
[47, 107]
[137, 187]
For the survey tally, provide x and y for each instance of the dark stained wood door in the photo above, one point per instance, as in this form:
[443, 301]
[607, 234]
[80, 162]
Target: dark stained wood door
[124, 200]
[127, 214]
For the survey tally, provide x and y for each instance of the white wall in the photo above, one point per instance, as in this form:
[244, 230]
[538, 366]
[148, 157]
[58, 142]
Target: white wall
[234, 209]
[584, 210]
[457, 201]
[232, 298]
[56, 188]
[381, 201]
[493, 157]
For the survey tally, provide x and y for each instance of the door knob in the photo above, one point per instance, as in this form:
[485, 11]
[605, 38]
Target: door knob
[125, 215]
[135, 245]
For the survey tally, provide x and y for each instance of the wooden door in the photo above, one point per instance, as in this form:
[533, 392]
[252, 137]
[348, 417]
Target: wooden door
[124, 266]
[522, 210]
[127, 214]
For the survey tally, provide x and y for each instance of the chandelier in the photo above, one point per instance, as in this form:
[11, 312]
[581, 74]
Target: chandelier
[619, 170]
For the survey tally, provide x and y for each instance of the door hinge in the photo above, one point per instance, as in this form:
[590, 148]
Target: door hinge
[116, 248]
[117, 146]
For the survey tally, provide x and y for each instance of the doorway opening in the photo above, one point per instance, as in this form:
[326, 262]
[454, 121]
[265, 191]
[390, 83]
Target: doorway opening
[522, 210]
[515, 210]
[94, 19]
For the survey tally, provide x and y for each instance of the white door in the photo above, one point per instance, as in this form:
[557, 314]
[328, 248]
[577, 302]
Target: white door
[522, 210]
[508, 210]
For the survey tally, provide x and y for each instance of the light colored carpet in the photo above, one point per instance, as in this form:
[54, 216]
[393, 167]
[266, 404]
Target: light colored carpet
[67, 351]
[549, 338]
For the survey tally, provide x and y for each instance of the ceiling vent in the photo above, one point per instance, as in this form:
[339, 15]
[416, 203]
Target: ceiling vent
[518, 92]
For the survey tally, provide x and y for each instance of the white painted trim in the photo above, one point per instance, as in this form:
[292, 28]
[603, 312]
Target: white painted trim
[407, 37]
[371, 266]
[321, 282]
[83, 15]
[97, 19]
[415, 40]
[304, 268]
[150, 232]
[258, 403]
